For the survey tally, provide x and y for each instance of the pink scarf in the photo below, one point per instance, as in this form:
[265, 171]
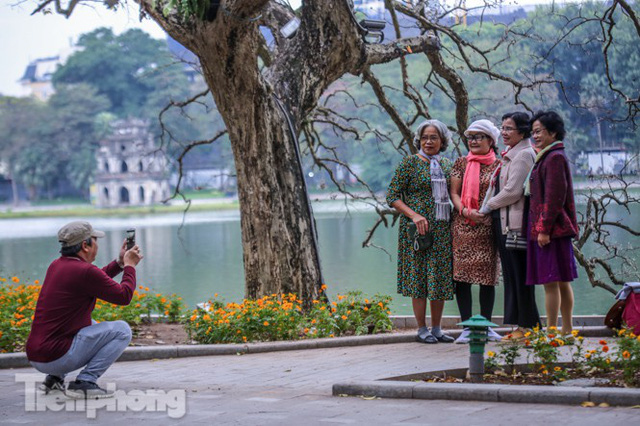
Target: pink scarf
[471, 180]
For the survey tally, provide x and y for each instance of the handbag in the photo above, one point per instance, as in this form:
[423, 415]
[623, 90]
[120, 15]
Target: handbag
[515, 240]
[421, 242]
[614, 316]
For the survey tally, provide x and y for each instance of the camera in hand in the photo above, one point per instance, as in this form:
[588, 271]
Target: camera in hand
[131, 238]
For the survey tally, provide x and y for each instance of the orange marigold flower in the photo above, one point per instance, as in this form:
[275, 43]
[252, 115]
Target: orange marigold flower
[15, 279]
[166, 312]
[605, 348]
[322, 308]
[36, 282]
[306, 330]
[244, 338]
[602, 342]
[365, 309]
[163, 300]
[554, 343]
[557, 368]
[193, 317]
[206, 317]
[323, 287]
[587, 356]
[626, 355]
[313, 321]
[344, 317]
[266, 323]
[331, 335]
[138, 305]
[333, 309]
[527, 342]
[146, 289]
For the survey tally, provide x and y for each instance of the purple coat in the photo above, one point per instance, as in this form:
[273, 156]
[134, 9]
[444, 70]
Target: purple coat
[552, 208]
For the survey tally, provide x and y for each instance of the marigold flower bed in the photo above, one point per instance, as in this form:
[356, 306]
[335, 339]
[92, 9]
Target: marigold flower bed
[271, 318]
[617, 360]
[281, 317]
[18, 304]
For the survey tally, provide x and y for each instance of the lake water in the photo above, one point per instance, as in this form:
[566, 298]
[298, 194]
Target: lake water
[205, 255]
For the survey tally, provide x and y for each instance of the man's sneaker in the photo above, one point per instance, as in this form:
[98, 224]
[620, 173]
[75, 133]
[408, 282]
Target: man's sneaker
[464, 336]
[81, 389]
[52, 383]
[492, 336]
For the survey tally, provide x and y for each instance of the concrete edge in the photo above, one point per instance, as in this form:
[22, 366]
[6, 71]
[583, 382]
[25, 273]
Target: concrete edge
[489, 392]
[141, 353]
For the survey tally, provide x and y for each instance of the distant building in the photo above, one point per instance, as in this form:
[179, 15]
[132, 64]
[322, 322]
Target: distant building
[608, 161]
[130, 169]
[37, 78]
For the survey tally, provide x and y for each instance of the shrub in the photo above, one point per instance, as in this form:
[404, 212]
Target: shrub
[281, 317]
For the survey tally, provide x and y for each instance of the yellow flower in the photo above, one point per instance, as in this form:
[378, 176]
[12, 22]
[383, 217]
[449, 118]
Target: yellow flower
[491, 354]
[331, 335]
[545, 371]
[621, 332]
[587, 356]
[574, 333]
[557, 368]
[527, 334]
[608, 361]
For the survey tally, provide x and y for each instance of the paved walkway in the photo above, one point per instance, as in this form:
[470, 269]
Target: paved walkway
[291, 387]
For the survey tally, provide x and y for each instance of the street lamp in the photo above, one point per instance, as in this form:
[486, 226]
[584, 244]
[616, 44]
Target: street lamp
[479, 326]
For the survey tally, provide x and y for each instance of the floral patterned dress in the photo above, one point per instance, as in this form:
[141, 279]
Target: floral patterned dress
[422, 274]
[475, 257]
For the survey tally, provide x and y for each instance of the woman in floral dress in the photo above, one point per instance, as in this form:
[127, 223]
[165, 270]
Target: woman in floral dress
[419, 191]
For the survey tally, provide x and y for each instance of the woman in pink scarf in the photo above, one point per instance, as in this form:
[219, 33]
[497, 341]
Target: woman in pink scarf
[475, 259]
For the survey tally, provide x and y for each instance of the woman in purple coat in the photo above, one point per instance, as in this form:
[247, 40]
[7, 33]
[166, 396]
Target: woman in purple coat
[552, 220]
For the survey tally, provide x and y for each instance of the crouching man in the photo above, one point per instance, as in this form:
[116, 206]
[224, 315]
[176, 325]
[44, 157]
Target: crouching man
[63, 336]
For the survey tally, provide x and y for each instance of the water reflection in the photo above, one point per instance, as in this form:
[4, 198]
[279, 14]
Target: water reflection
[205, 256]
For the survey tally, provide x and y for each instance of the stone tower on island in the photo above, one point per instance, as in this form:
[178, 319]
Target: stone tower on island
[131, 171]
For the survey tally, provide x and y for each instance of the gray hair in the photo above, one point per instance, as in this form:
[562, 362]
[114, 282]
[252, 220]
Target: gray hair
[442, 129]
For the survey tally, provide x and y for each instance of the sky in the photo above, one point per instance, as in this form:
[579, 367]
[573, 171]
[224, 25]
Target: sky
[24, 38]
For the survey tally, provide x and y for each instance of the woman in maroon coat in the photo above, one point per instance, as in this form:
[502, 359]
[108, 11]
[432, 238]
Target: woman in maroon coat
[552, 220]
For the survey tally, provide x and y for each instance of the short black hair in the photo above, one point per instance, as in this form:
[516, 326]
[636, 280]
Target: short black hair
[522, 122]
[74, 249]
[551, 121]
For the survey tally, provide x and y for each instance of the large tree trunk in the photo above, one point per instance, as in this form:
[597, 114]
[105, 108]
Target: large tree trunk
[279, 248]
[278, 233]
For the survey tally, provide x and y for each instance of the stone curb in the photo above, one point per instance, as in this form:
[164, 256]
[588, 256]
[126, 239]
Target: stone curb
[451, 321]
[489, 392]
[140, 353]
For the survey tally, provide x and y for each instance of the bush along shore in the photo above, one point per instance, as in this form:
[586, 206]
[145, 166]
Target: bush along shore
[271, 318]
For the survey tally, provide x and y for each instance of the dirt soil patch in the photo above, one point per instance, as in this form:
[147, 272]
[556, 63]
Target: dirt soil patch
[155, 334]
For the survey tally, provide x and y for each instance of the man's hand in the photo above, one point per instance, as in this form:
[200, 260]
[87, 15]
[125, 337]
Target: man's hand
[123, 249]
[132, 257]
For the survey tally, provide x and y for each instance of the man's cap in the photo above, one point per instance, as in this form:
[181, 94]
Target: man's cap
[76, 232]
